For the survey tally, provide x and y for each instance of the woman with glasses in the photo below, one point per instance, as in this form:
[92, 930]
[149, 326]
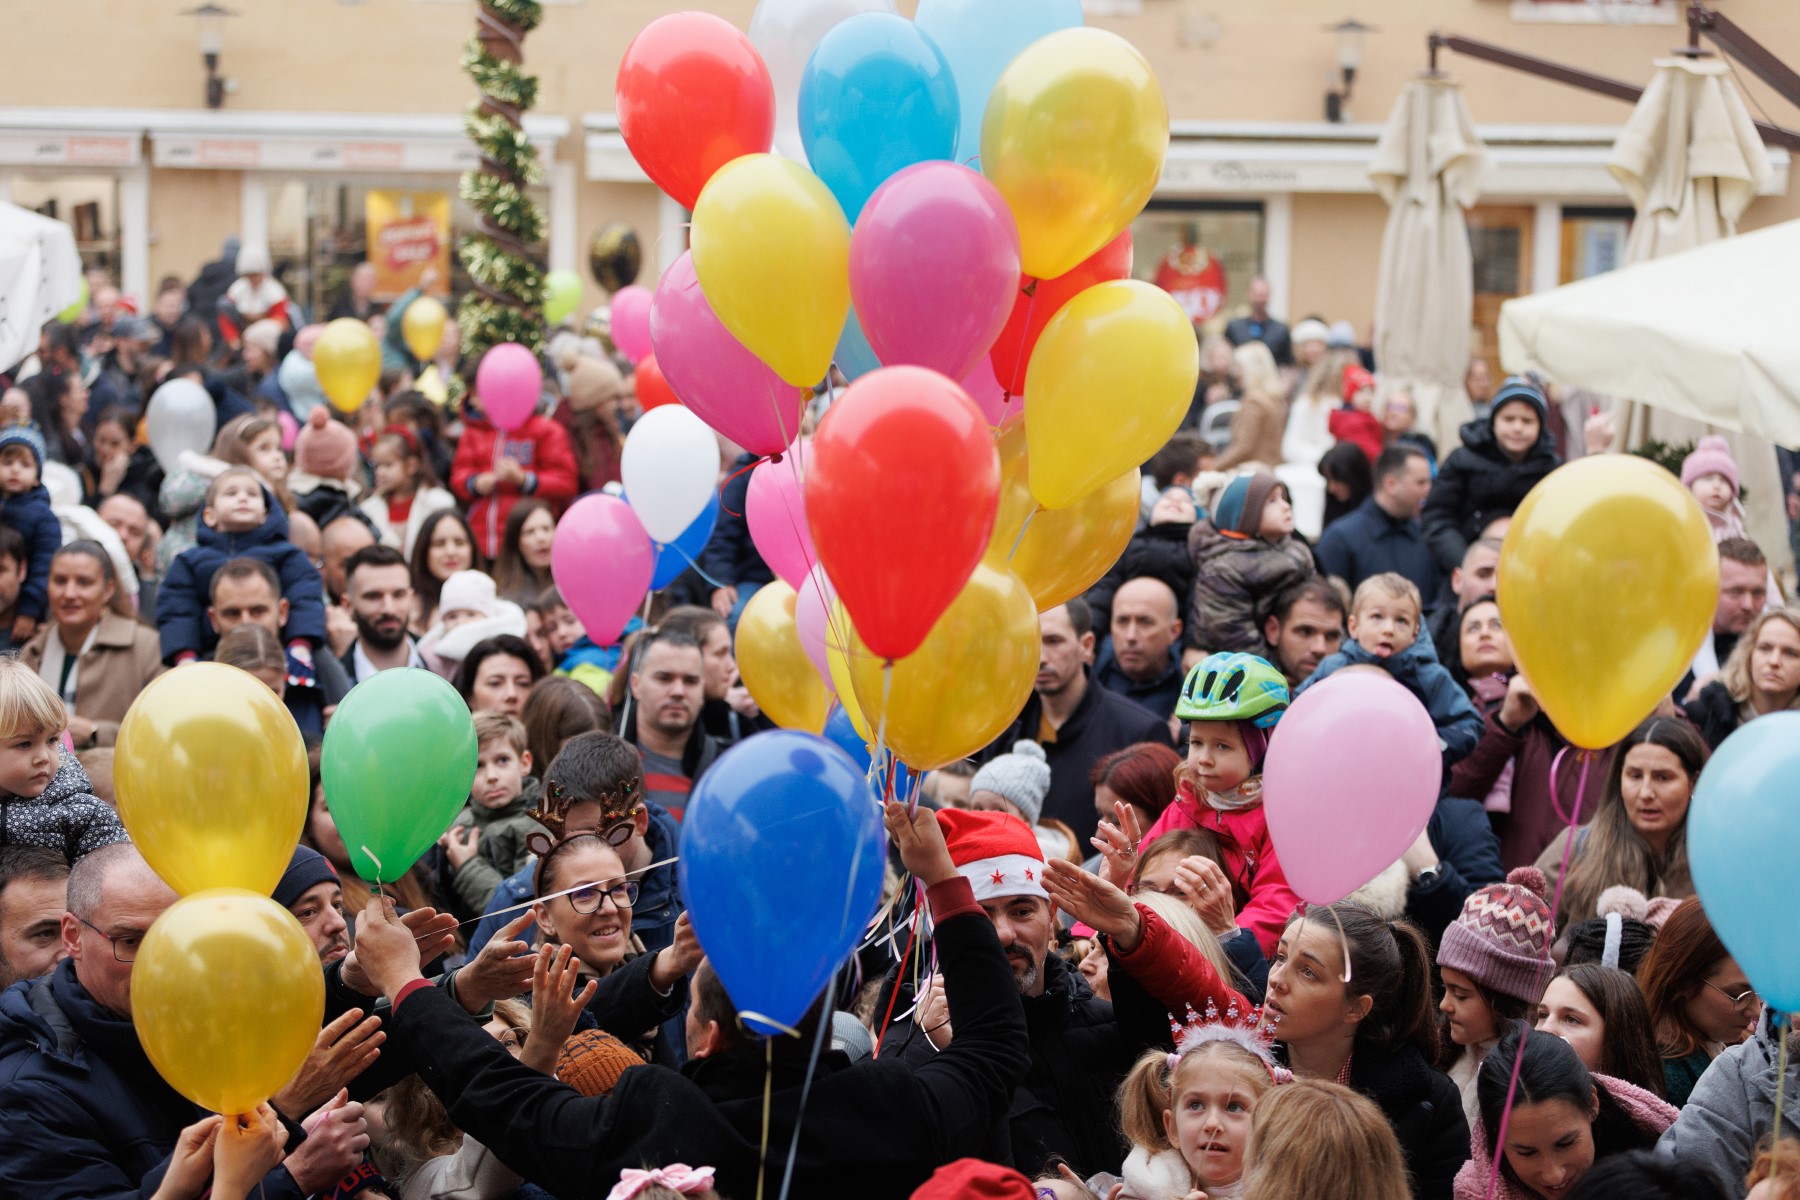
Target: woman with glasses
[1699, 999]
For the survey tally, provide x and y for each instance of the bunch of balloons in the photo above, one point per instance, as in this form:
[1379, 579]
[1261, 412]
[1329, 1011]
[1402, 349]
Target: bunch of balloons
[967, 478]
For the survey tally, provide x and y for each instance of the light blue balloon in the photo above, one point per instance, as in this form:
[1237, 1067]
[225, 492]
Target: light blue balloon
[980, 38]
[877, 95]
[855, 357]
[1743, 829]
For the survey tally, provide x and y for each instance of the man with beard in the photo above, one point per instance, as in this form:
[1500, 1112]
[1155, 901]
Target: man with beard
[1081, 1046]
[668, 685]
[1306, 627]
[378, 591]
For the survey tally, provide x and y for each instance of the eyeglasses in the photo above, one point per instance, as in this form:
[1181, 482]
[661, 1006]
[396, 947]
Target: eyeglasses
[1737, 1001]
[124, 945]
[590, 897]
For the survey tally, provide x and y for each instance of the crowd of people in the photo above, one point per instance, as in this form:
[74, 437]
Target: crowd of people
[1091, 979]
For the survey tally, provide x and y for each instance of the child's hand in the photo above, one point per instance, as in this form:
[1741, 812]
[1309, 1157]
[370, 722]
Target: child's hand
[191, 1162]
[241, 1157]
[510, 471]
[460, 843]
[1118, 846]
[22, 629]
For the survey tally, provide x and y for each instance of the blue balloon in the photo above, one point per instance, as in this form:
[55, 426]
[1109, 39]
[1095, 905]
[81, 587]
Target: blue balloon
[980, 38]
[841, 732]
[677, 556]
[855, 357]
[781, 869]
[877, 95]
[1742, 828]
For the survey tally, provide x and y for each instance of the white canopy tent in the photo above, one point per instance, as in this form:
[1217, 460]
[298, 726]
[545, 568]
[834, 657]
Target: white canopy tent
[40, 275]
[1707, 333]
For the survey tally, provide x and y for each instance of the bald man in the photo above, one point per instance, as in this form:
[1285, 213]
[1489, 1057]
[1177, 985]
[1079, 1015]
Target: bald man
[1142, 659]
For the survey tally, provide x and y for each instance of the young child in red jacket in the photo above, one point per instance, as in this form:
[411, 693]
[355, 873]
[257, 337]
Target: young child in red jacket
[493, 469]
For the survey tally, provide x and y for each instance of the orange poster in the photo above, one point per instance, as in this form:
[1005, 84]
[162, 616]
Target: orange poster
[408, 231]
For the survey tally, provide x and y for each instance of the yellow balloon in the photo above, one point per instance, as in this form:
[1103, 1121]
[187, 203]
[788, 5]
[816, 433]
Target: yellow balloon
[837, 658]
[210, 774]
[1058, 553]
[965, 684]
[1125, 340]
[422, 325]
[227, 998]
[347, 360]
[1074, 137]
[1608, 583]
[772, 253]
[774, 664]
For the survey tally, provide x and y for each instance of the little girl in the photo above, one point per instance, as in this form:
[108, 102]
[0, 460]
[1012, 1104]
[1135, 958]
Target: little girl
[1711, 475]
[406, 490]
[1188, 1114]
[677, 1181]
[45, 797]
[1495, 962]
[1232, 702]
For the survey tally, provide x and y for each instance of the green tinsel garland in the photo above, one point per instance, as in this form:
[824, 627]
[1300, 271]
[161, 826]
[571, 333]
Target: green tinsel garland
[507, 304]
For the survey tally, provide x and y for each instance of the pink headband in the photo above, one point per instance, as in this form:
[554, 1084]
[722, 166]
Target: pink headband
[679, 1177]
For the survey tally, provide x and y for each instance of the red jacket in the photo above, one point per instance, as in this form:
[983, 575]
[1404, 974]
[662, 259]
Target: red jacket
[1358, 427]
[1249, 859]
[539, 446]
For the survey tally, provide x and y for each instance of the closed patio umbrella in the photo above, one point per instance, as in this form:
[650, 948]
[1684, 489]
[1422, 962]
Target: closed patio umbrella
[40, 275]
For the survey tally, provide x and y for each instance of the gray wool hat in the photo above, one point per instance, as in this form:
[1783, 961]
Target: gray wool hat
[1022, 777]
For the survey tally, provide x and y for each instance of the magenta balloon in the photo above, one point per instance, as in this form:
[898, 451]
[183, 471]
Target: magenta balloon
[723, 383]
[985, 390]
[602, 561]
[631, 322]
[930, 224]
[812, 616]
[775, 509]
[508, 383]
[1351, 778]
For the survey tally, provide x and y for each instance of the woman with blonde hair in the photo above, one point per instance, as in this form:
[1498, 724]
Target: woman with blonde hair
[1762, 675]
[1307, 435]
[1262, 416]
[1312, 1138]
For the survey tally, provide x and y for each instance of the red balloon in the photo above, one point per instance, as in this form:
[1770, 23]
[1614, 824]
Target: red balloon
[653, 390]
[1012, 349]
[692, 95]
[901, 498]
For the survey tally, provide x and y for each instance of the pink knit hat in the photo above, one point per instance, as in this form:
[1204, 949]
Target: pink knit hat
[325, 447]
[1502, 937]
[1711, 457]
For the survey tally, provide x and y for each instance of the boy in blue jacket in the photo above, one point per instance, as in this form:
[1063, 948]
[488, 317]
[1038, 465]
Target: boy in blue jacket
[238, 521]
[25, 505]
[1385, 617]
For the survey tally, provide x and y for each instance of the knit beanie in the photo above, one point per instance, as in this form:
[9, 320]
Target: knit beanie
[592, 1061]
[592, 382]
[1519, 390]
[1238, 510]
[1711, 457]
[1355, 380]
[1023, 777]
[1502, 937]
[471, 590]
[26, 436]
[996, 852]
[306, 870]
[1310, 330]
[325, 447]
[265, 335]
[973, 1179]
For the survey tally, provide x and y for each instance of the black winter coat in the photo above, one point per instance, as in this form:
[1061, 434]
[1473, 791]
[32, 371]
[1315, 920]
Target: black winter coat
[1476, 484]
[731, 559]
[183, 598]
[1425, 1109]
[1715, 713]
[884, 1124]
[83, 1114]
[1159, 551]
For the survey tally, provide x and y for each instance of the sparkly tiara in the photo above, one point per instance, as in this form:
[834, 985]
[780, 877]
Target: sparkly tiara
[1247, 1030]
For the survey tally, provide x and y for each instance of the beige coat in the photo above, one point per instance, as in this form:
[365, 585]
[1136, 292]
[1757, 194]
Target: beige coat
[124, 658]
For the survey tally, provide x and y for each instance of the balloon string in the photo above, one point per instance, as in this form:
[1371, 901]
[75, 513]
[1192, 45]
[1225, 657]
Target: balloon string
[887, 687]
[1020, 540]
[1782, 1025]
[912, 940]
[762, 1154]
[743, 470]
[1572, 819]
[378, 868]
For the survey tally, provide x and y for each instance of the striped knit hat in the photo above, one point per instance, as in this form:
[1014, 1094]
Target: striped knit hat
[1502, 937]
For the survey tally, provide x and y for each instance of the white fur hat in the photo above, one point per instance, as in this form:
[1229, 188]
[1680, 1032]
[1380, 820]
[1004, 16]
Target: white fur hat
[469, 590]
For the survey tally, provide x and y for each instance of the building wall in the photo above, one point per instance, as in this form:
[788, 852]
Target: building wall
[191, 213]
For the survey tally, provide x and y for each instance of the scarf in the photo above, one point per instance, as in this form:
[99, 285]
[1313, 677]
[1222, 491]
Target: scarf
[1247, 794]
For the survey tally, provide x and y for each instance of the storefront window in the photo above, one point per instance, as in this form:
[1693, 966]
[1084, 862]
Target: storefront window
[1593, 241]
[320, 230]
[90, 206]
[1204, 253]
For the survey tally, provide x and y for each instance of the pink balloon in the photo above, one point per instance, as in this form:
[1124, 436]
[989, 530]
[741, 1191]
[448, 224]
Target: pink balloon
[775, 508]
[714, 375]
[631, 322]
[985, 390]
[930, 223]
[1351, 778]
[812, 615]
[602, 561]
[508, 383]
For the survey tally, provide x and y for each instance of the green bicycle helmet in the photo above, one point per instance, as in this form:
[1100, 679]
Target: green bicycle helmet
[1233, 687]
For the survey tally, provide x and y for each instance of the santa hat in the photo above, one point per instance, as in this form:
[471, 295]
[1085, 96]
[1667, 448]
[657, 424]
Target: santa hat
[996, 852]
[1355, 380]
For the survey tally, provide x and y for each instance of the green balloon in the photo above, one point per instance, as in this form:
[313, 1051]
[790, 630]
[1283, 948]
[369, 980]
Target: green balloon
[562, 295]
[398, 761]
[72, 314]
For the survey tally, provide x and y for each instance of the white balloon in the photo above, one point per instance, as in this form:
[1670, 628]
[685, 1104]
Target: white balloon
[670, 468]
[180, 417]
[785, 32]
